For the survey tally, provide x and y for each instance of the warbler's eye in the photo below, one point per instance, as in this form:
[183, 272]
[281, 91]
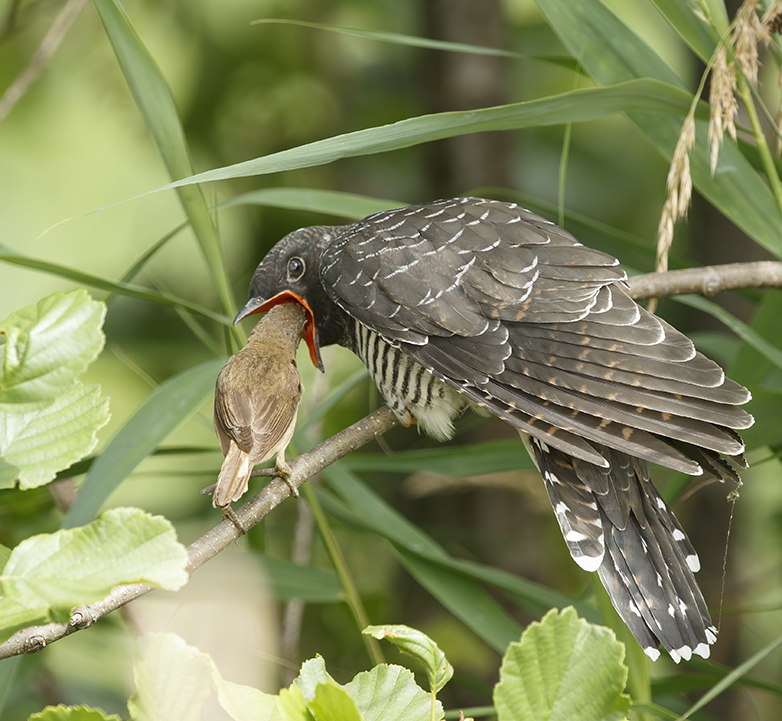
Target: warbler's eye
[296, 268]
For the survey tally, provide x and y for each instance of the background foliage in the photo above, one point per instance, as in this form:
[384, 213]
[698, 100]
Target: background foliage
[459, 542]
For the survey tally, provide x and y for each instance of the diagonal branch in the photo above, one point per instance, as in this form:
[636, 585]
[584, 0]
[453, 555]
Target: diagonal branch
[707, 281]
[35, 638]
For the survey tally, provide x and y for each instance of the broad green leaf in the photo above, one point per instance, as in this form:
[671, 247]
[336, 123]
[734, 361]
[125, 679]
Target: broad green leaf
[38, 444]
[14, 616]
[466, 460]
[173, 680]
[289, 580]
[46, 347]
[658, 98]
[751, 366]
[420, 646]
[292, 705]
[82, 565]
[611, 53]
[48, 420]
[419, 42]
[564, 669]
[153, 97]
[332, 702]
[244, 703]
[172, 403]
[329, 202]
[72, 713]
[389, 693]
[464, 599]
[111, 286]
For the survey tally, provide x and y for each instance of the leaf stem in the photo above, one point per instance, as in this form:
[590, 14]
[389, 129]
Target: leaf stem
[352, 597]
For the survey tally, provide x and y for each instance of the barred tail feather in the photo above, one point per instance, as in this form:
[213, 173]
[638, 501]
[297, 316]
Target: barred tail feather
[614, 521]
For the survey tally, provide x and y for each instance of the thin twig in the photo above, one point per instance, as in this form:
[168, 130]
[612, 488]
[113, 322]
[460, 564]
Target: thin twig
[708, 280]
[35, 638]
[40, 60]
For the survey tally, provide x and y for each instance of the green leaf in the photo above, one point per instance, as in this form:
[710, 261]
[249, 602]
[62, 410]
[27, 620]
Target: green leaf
[419, 645]
[171, 404]
[173, 680]
[111, 286]
[78, 566]
[464, 460]
[154, 99]
[752, 367]
[333, 703]
[691, 26]
[313, 585]
[658, 98]
[244, 703]
[37, 445]
[329, 202]
[389, 693]
[48, 420]
[14, 616]
[564, 669]
[46, 347]
[419, 42]
[611, 53]
[72, 713]
[292, 705]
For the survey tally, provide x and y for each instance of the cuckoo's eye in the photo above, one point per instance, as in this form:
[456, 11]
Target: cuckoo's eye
[296, 268]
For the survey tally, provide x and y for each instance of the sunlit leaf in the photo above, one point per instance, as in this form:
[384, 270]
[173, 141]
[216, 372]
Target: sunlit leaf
[658, 98]
[173, 680]
[171, 404]
[564, 669]
[82, 565]
[72, 713]
[420, 646]
[48, 420]
[389, 693]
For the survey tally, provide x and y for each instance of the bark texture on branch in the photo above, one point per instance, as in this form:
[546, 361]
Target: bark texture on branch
[35, 638]
[709, 280]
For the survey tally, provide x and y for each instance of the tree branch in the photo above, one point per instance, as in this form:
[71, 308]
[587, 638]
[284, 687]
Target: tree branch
[35, 638]
[708, 280]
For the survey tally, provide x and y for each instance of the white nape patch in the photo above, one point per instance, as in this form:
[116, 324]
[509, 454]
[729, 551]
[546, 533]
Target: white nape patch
[575, 536]
[694, 562]
[703, 650]
[589, 563]
[678, 535]
[652, 653]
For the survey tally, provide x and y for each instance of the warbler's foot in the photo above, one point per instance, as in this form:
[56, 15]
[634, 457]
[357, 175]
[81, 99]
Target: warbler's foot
[228, 513]
[284, 471]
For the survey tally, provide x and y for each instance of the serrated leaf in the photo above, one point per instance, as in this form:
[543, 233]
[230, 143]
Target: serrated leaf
[72, 713]
[389, 693]
[173, 680]
[563, 669]
[48, 420]
[172, 403]
[77, 566]
[39, 444]
[46, 347]
[417, 644]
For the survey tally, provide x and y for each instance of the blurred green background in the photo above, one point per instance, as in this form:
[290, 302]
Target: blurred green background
[76, 145]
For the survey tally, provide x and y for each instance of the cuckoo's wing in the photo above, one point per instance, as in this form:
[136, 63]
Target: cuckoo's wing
[513, 312]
